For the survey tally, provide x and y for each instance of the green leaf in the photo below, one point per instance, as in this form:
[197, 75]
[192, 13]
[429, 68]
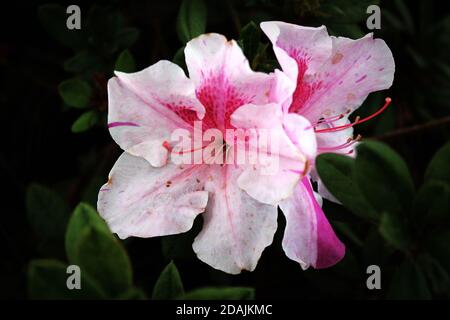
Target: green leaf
[104, 259]
[86, 121]
[126, 37]
[260, 62]
[221, 293]
[103, 24]
[336, 172]
[439, 168]
[47, 280]
[47, 212]
[83, 217]
[191, 20]
[432, 204]
[345, 11]
[75, 93]
[249, 39]
[179, 59]
[438, 246]
[438, 276]
[133, 294]
[53, 17]
[393, 229]
[383, 177]
[347, 231]
[169, 285]
[409, 282]
[90, 192]
[125, 62]
[82, 62]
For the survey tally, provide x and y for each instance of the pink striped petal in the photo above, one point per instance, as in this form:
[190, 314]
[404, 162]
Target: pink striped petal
[332, 75]
[147, 106]
[143, 201]
[224, 80]
[308, 237]
[236, 228]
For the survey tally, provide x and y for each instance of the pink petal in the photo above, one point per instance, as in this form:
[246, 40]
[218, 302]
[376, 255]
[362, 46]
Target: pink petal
[236, 228]
[308, 237]
[145, 107]
[355, 69]
[273, 177]
[282, 90]
[301, 133]
[143, 201]
[269, 118]
[268, 188]
[333, 75]
[296, 46]
[224, 79]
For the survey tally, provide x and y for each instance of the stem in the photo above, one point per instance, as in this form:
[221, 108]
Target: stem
[413, 129]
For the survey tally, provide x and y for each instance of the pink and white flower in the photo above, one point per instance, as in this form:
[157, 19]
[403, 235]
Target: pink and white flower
[332, 77]
[306, 107]
[149, 195]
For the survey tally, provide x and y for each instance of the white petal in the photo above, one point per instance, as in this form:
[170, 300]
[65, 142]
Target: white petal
[143, 201]
[236, 228]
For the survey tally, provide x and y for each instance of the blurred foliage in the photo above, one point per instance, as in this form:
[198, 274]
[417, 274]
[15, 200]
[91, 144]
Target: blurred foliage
[95, 49]
[414, 224]
[191, 20]
[395, 204]
[106, 271]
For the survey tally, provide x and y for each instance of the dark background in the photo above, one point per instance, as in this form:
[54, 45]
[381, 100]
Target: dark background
[39, 147]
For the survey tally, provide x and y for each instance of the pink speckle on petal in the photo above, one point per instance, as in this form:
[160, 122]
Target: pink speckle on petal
[361, 79]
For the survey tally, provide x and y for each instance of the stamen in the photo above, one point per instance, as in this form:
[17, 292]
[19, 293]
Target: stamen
[357, 120]
[325, 121]
[189, 151]
[348, 143]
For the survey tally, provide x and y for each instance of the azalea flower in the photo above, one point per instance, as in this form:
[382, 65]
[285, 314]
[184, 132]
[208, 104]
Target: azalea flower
[332, 77]
[149, 195]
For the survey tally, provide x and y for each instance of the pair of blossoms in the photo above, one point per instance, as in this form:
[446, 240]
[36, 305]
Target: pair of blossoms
[306, 106]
